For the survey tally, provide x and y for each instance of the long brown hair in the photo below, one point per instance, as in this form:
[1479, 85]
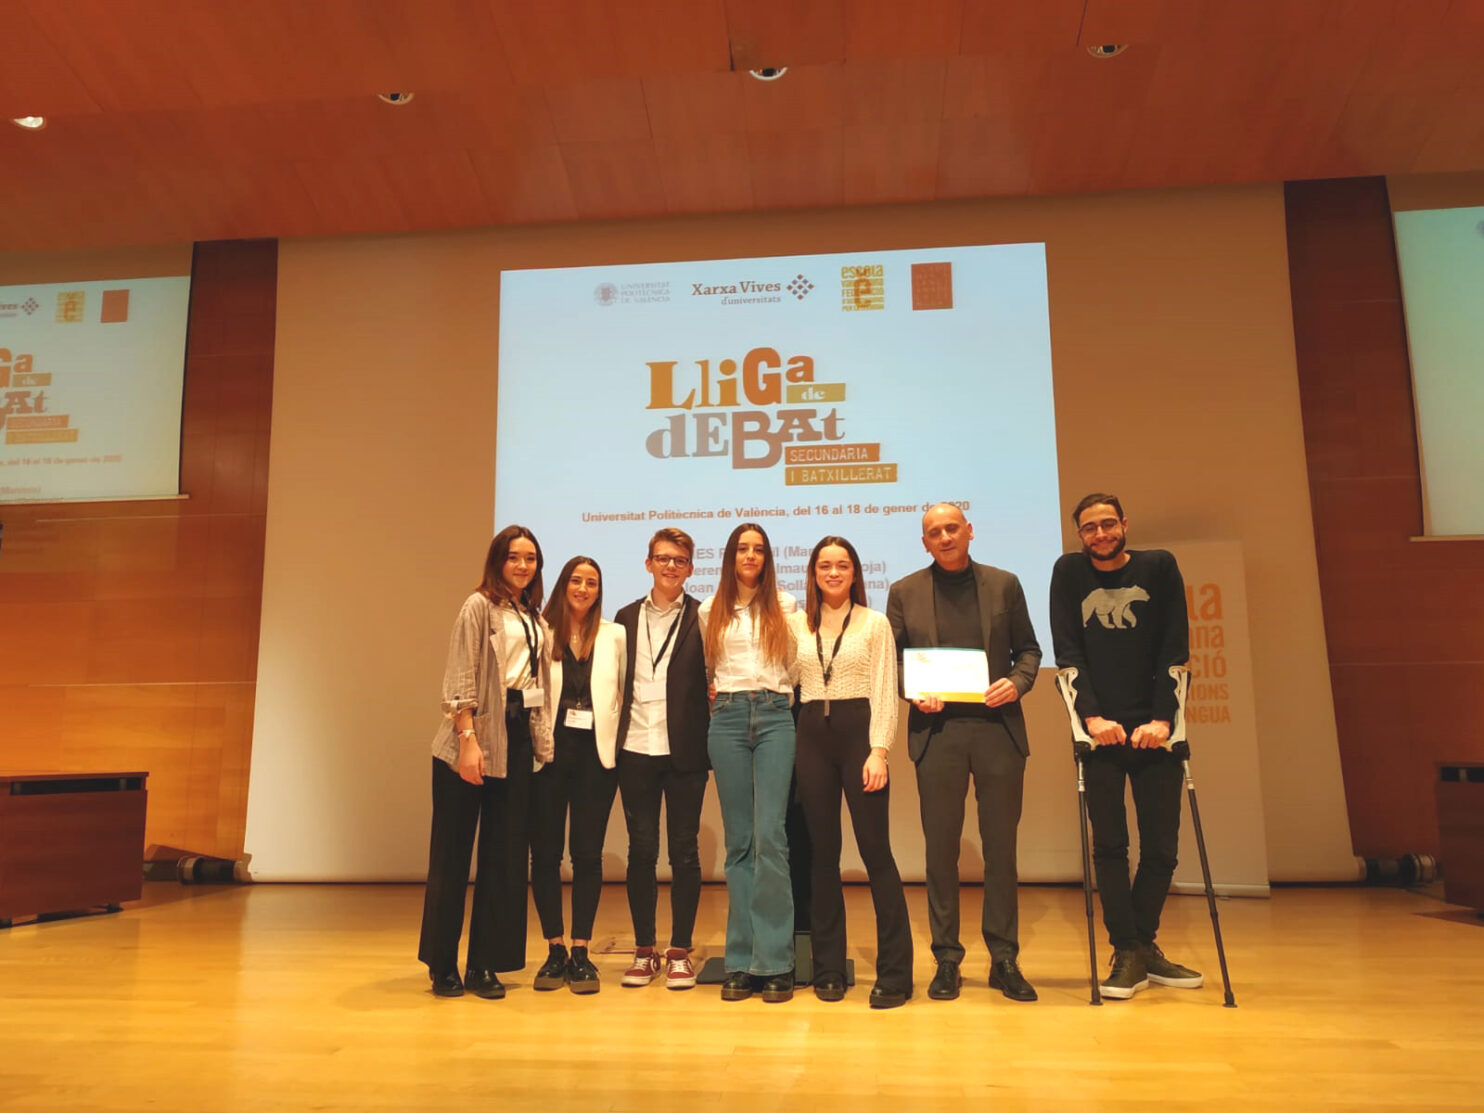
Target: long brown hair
[494, 588]
[773, 633]
[813, 597]
[559, 612]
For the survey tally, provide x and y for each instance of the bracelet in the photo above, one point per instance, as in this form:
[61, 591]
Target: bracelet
[469, 733]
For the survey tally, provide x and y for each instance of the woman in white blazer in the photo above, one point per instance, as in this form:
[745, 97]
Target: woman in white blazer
[588, 657]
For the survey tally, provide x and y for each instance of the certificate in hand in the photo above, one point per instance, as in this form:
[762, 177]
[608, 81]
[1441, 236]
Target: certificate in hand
[953, 675]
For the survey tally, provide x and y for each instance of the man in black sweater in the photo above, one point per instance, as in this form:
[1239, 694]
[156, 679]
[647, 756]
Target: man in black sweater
[1119, 618]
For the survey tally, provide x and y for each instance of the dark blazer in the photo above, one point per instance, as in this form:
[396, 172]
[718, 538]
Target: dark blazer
[687, 706]
[1009, 641]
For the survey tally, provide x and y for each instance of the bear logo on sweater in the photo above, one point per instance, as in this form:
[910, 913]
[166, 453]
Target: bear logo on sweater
[1113, 606]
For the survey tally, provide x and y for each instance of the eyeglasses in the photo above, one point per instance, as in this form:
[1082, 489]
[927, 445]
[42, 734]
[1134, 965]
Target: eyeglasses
[1107, 525]
[671, 561]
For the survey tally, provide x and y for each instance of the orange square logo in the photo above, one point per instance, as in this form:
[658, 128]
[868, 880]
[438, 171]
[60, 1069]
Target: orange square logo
[115, 307]
[932, 285]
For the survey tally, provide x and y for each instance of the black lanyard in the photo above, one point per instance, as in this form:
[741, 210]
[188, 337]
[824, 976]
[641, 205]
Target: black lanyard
[654, 660]
[834, 654]
[532, 634]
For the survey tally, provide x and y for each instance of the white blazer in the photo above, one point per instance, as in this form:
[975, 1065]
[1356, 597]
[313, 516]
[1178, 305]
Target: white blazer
[610, 661]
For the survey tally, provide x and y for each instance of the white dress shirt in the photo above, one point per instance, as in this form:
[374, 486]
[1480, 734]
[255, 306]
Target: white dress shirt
[649, 723]
[741, 666]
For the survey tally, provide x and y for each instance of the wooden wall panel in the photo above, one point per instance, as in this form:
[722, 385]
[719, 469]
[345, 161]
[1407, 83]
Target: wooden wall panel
[130, 629]
[1404, 619]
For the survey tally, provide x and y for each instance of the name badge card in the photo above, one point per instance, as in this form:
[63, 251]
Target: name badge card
[649, 691]
[534, 697]
[579, 718]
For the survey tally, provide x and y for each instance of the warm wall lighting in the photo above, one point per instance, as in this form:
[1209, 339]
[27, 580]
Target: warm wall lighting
[30, 123]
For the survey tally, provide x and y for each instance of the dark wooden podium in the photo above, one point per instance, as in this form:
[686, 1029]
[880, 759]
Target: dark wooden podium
[1460, 795]
[70, 842]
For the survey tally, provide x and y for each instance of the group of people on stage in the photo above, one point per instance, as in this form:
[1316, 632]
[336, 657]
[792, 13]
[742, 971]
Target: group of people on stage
[550, 711]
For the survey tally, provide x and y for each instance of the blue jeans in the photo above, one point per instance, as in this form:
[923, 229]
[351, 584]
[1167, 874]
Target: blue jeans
[751, 745]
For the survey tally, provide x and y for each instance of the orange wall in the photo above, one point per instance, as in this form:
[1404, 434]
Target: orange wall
[1404, 619]
[130, 629]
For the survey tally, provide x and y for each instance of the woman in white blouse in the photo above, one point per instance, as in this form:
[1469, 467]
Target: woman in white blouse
[750, 656]
[494, 725]
[847, 722]
[587, 676]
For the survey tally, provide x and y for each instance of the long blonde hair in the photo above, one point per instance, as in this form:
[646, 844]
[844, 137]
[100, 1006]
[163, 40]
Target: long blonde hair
[773, 633]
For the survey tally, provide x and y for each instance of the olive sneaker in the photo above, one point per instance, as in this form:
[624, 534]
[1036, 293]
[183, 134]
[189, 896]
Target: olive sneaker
[1127, 975]
[1164, 972]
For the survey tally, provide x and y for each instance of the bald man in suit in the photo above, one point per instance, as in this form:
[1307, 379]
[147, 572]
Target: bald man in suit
[958, 602]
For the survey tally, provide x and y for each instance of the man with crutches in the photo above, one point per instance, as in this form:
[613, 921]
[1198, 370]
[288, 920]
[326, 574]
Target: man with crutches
[1118, 617]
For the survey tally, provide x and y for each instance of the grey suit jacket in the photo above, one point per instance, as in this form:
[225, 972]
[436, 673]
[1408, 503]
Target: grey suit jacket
[1009, 641]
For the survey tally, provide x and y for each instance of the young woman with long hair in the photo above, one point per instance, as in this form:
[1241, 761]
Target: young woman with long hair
[847, 722]
[495, 723]
[750, 656]
[588, 658]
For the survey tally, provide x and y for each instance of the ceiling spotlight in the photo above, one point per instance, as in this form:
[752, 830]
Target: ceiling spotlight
[769, 73]
[395, 98]
[1107, 50]
[30, 123]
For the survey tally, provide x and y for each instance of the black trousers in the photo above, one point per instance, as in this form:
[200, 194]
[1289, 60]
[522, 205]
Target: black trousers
[645, 779]
[1131, 913]
[830, 754]
[963, 750]
[574, 782]
[499, 809]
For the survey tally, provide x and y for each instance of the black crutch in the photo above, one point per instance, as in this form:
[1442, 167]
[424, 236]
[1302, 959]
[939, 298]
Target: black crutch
[1081, 747]
[1180, 747]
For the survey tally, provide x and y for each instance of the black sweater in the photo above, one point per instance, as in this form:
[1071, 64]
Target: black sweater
[1122, 631]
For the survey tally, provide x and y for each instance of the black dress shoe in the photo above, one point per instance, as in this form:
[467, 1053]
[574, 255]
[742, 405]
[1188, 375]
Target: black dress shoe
[484, 983]
[553, 972]
[737, 987]
[829, 987]
[1006, 977]
[885, 998]
[582, 975]
[447, 984]
[780, 987]
[945, 983]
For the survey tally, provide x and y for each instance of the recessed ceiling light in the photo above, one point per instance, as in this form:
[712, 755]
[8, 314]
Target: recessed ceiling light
[396, 98]
[769, 73]
[30, 123]
[1107, 50]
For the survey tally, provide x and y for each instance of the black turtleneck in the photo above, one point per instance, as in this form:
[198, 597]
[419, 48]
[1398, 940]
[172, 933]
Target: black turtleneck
[956, 605]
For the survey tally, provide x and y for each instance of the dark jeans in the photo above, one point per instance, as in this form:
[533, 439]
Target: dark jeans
[962, 750]
[499, 808]
[644, 779]
[573, 781]
[830, 754]
[1131, 915]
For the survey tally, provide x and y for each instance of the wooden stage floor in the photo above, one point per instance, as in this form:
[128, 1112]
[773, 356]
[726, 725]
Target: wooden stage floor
[294, 997]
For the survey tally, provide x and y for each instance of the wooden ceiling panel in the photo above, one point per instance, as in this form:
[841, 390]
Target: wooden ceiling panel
[524, 185]
[611, 109]
[695, 105]
[883, 164]
[808, 98]
[179, 119]
[612, 180]
[892, 29]
[570, 41]
[796, 169]
[999, 85]
[785, 33]
[1012, 27]
[705, 173]
[986, 156]
[894, 93]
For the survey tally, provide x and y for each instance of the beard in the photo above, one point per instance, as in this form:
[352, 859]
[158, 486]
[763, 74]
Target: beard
[1111, 554]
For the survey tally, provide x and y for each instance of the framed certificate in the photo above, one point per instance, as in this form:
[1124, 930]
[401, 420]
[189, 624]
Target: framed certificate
[953, 675]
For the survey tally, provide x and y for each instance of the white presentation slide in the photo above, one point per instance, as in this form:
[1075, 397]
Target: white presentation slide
[812, 394]
[1441, 255]
[91, 375]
